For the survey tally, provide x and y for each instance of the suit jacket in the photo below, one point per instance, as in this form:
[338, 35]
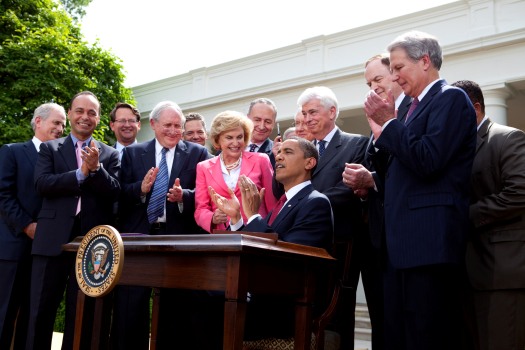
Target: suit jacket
[306, 219]
[209, 173]
[426, 183]
[377, 162]
[266, 147]
[327, 178]
[19, 203]
[56, 182]
[496, 250]
[137, 159]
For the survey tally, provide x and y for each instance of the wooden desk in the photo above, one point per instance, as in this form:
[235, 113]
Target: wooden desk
[233, 263]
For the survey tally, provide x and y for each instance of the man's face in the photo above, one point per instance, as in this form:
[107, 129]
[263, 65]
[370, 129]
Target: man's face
[125, 126]
[168, 129]
[291, 167]
[300, 127]
[194, 132]
[319, 119]
[83, 116]
[50, 128]
[379, 79]
[263, 118]
[408, 74]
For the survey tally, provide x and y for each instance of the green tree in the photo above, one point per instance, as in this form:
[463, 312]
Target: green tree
[75, 8]
[44, 58]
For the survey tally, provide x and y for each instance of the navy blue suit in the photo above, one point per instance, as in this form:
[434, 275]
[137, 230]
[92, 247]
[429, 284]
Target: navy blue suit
[130, 326]
[426, 198]
[19, 206]
[266, 147]
[56, 182]
[305, 219]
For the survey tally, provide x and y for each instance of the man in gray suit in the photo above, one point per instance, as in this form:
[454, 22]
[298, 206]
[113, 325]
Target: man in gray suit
[336, 148]
[496, 250]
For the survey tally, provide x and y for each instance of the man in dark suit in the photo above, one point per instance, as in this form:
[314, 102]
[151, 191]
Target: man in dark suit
[336, 148]
[304, 217]
[367, 180]
[77, 178]
[125, 124]
[263, 113]
[496, 249]
[426, 197]
[19, 207]
[141, 166]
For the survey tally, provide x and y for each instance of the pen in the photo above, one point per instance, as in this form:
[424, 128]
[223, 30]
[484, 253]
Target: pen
[278, 130]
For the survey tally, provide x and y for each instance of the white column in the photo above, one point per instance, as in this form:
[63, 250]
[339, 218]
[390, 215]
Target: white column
[496, 96]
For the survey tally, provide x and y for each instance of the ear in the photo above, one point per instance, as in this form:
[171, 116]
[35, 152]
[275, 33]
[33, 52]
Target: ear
[310, 163]
[425, 60]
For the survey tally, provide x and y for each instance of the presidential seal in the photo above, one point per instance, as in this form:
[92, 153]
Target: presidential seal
[99, 261]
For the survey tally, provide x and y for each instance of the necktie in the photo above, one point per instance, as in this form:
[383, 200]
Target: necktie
[411, 109]
[253, 146]
[321, 147]
[78, 152]
[277, 209]
[160, 189]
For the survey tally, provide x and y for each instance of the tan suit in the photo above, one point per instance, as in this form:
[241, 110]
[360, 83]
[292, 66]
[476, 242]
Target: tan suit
[496, 252]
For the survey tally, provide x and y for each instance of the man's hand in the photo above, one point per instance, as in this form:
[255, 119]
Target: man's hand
[148, 181]
[230, 207]
[30, 230]
[250, 195]
[175, 193]
[90, 161]
[378, 109]
[358, 178]
[277, 142]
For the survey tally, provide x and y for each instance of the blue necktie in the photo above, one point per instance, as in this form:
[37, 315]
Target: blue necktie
[321, 147]
[253, 146]
[160, 189]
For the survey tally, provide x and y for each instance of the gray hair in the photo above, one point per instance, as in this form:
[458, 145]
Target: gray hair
[325, 95]
[44, 110]
[266, 101]
[418, 44]
[162, 106]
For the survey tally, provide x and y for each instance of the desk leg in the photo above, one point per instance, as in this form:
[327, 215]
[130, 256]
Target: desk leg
[234, 317]
[303, 326]
[79, 315]
[154, 319]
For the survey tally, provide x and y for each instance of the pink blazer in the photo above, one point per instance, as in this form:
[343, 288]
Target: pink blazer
[255, 165]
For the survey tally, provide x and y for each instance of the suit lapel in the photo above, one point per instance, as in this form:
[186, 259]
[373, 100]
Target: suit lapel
[215, 171]
[426, 100]
[179, 159]
[148, 156]
[483, 133]
[403, 108]
[30, 152]
[292, 203]
[66, 149]
[330, 151]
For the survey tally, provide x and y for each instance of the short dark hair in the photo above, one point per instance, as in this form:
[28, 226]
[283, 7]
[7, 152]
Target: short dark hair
[473, 91]
[308, 148]
[195, 116]
[89, 93]
[113, 113]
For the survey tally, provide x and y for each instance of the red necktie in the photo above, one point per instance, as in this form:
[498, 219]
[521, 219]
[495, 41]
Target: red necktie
[277, 209]
[411, 109]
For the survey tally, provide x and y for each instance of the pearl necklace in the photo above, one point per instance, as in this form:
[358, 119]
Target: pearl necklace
[233, 165]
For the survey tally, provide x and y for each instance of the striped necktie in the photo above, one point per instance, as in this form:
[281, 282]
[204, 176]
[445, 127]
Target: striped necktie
[160, 189]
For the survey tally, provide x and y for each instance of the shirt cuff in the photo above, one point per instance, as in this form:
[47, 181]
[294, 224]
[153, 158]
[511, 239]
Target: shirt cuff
[237, 226]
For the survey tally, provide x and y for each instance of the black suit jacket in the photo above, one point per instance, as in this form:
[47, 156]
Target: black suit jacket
[266, 147]
[327, 178]
[56, 182]
[137, 159]
[306, 219]
[19, 203]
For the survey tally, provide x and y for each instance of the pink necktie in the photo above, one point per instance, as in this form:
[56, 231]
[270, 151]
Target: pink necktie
[78, 153]
[277, 209]
[413, 106]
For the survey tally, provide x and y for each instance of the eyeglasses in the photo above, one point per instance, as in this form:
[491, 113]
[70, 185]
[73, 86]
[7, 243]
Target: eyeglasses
[126, 121]
[191, 133]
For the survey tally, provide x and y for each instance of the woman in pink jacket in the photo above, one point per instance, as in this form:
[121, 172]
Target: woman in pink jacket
[230, 132]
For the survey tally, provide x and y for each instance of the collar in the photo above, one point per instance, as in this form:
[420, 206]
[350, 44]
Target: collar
[159, 147]
[330, 135]
[75, 140]
[425, 90]
[485, 118]
[37, 143]
[296, 189]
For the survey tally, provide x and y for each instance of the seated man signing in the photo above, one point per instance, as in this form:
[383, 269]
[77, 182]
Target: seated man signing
[302, 215]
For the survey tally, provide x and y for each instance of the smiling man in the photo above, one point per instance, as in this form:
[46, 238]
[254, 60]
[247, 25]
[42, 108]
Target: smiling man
[77, 178]
[125, 123]
[263, 113]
